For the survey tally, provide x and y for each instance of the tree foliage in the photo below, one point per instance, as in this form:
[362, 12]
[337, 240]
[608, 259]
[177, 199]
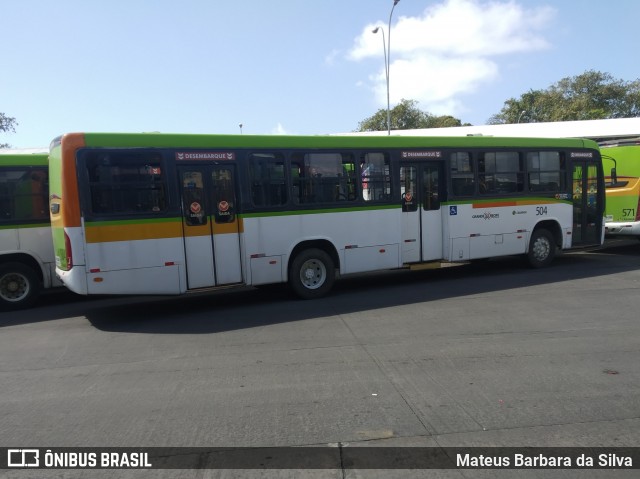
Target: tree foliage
[406, 116]
[592, 95]
[7, 124]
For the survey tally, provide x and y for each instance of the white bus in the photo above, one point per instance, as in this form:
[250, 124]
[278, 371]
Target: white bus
[170, 214]
[27, 264]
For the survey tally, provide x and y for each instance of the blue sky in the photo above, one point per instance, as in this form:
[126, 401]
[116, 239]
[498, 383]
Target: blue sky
[289, 66]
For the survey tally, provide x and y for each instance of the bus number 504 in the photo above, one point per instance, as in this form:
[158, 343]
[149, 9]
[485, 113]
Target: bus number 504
[541, 210]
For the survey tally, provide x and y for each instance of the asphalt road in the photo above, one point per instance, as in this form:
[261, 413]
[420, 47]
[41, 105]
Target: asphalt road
[488, 354]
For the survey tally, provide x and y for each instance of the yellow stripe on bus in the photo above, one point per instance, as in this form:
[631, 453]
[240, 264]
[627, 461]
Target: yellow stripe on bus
[144, 231]
[132, 232]
[226, 228]
[630, 188]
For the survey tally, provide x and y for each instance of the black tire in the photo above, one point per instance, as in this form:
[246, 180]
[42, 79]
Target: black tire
[542, 248]
[19, 286]
[312, 274]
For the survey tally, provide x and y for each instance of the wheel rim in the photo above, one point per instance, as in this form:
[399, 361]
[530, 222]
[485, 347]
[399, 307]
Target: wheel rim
[541, 249]
[313, 274]
[14, 287]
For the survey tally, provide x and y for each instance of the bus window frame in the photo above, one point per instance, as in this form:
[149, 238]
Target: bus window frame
[170, 181]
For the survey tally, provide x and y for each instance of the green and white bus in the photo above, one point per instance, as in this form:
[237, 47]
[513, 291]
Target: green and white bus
[170, 214]
[619, 139]
[26, 251]
[623, 188]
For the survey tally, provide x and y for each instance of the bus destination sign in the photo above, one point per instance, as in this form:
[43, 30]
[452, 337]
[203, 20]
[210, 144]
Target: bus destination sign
[421, 154]
[205, 155]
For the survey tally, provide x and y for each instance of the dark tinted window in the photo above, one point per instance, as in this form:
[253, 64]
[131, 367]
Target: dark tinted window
[267, 180]
[546, 171]
[126, 183]
[375, 176]
[500, 172]
[462, 174]
[24, 194]
[323, 178]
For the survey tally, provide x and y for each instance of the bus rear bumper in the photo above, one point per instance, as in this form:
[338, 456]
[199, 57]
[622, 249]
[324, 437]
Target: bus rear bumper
[630, 228]
[75, 279]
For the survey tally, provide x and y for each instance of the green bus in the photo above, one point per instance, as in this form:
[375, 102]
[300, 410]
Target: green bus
[623, 187]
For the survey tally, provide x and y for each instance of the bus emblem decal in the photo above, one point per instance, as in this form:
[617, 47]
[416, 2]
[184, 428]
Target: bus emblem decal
[195, 207]
[487, 215]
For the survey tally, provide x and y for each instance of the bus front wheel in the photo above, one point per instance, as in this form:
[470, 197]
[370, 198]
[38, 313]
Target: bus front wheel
[542, 248]
[312, 274]
[19, 286]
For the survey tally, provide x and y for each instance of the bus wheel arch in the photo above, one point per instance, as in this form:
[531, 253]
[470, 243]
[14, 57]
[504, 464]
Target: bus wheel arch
[545, 240]
[312, 268]
[20, 284]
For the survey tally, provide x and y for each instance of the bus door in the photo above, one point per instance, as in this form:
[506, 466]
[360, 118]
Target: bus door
[210, 224]
[421, 186]
[588, 202]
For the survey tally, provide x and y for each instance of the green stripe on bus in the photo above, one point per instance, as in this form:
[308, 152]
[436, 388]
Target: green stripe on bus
[234, 142]
[318, 211]
[35, 159]
[22, 225]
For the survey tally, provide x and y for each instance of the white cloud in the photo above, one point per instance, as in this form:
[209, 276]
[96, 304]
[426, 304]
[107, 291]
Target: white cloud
[451, 49]
[280, 130]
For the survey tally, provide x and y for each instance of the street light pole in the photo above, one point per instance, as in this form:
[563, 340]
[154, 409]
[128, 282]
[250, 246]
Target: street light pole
[395, 2]
[387, 62]
[386, 72]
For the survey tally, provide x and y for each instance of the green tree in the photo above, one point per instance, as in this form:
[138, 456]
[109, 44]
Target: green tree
[7, 124]
[590, 96]
[406, 116]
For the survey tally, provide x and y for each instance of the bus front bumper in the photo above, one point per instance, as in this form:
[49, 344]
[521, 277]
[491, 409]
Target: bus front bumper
[631, 228]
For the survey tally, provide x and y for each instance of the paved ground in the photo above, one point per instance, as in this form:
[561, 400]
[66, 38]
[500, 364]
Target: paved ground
[492, 354]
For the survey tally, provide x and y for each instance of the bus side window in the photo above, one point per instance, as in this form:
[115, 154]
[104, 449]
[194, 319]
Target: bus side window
[24, 194]
[375, 176]
[126, 183]
[267, 179]
[546, 171]
[500, 172]
[462, 174]
[323, 177]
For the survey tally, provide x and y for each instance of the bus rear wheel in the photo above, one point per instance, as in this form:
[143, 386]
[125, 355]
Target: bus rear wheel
[312, 274]
[19, 286]
[542, 248]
